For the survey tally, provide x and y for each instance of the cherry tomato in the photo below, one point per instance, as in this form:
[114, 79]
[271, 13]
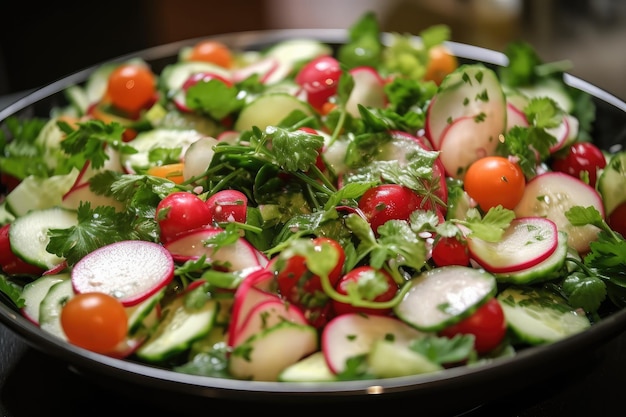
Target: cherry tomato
[179, 212]
[441, 62]
[228, 206]
[319, 78]
[617, 219]
[373, 284]
[581, 157]
[131, 87]
[304, 289]
[450, 251]
[9, 182]
[10, 263]
[95, 321]
[487, 324]
[212, 51]
[493, 181]
[388, 202]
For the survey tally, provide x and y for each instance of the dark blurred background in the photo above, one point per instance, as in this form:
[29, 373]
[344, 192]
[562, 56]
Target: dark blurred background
[41, 43]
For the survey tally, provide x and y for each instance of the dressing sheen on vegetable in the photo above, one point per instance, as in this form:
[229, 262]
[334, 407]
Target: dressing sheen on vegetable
[312, 212]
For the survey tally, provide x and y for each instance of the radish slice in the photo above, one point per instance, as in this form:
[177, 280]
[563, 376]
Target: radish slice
[515, 117]
[265, 315]
[354, 334]
[264, 68]
[561, 133]
[83, 193]
[251, 292]
[466, 140]
[239, 256]
[129, 270]
[470, 91]
[551, 194]
[368, 91]
[527, 241]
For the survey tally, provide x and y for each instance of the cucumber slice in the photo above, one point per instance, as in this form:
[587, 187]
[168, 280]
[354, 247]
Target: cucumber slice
[444, 296]
[34, 293]
[265, 355]
[269, 110]
[36, 193]
[139, 313]
[290, 53]
[546, 270]
[52, 304]
[180, 327]
[29, 235]
[551, 88]
[388, 360]
[312, 368]
[5, 215]
[538, 316]
[612, 182]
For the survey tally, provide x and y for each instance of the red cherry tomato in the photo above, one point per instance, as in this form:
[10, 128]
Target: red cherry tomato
[388, 202]
[373, 284]
[617, 219]
[319, 78]
[581, 157]
[493, 181]
[131, 87]
[304, 289]
[487, 324]
[450, 251]
[228, 206]
[179, 212]
[95, 321]
[10, 263]
[213, 52]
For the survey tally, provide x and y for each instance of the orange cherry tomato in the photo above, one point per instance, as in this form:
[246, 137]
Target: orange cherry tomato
[94, 321]
[213, 52]
[131, 87]
[173, 172]
[493, 181]
[441, 62]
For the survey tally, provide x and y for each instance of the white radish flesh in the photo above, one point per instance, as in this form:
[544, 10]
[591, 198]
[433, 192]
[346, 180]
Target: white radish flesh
[349, 335]
[525, 243]
[368, 91]
[129, 270]
[551, 194]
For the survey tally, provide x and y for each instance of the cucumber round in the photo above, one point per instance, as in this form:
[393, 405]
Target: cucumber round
[612, 182]
[269, 110]
[29, 235]
[444, 296]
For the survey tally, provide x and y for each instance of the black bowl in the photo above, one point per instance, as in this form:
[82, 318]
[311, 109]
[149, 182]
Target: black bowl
[449, 392]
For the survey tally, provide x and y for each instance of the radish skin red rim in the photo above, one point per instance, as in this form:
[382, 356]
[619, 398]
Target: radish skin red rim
[524, 244]
[130, 271]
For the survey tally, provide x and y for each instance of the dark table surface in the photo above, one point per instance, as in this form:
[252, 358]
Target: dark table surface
[33, 383]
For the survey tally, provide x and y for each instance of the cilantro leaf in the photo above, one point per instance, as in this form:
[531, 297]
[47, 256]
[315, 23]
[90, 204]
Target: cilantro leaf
[296, 150]
[213, 98]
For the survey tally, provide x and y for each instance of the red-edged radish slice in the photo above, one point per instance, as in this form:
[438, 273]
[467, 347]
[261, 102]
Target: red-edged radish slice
[228, 136]
[515, 117]
[239, 256]
[111, 164]
[198, 156]
[353, 334]
[368, 91]
[266, 354]
[83, 193]
[251, 292]
[470, 91]
[551, 194]
[129, 270]
[265, 315]
[565, 133]
[527, 242]
[180, 98]
[264, 68]
[466, 140]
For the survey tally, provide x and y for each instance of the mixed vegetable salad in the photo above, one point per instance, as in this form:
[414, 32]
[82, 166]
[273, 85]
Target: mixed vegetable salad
[314, 212]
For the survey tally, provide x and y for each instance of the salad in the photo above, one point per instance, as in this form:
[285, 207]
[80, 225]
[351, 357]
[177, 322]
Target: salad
[314, 212]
